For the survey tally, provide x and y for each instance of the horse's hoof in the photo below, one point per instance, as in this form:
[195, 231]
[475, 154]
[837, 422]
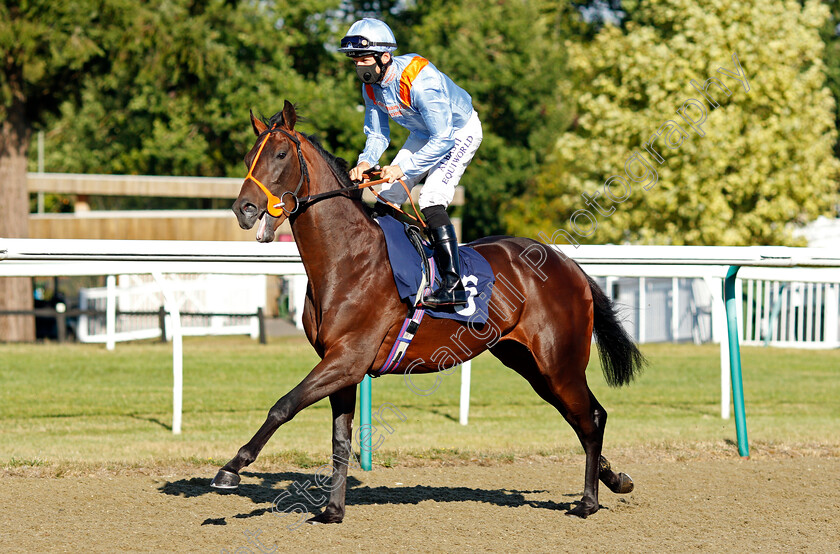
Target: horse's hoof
[582, 510]
[325, 517]
[226, 480]
[625, 484]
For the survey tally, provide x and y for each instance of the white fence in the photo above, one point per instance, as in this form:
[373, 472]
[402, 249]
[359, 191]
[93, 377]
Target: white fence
[792, 308]
[208, 293]
[48, 257]
[787, 313]
[810, 312]
[666, 309]
[790, 312]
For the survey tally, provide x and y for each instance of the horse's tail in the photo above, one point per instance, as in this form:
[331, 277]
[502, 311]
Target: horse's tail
[620, 357]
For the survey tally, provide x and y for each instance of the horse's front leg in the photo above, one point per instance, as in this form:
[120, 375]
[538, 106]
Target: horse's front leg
[343, 405]
[327, 378]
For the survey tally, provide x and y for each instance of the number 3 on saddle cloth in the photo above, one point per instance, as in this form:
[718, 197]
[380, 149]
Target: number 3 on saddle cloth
[410, 275]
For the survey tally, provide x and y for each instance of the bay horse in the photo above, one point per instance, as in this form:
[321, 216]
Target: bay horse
[353, 314]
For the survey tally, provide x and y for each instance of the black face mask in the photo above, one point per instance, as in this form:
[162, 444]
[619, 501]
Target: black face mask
[368, 74]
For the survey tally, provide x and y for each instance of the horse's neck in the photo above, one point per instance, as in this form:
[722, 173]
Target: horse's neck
[337, 241]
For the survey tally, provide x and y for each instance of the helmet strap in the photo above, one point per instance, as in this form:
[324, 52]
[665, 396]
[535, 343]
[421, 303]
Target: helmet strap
[366, 73]
[383, 67]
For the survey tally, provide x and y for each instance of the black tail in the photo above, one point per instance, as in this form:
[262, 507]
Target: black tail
[620, 357]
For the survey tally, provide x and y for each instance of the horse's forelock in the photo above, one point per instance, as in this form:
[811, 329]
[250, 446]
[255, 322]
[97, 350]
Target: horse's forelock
[277, 120]
[274, 121]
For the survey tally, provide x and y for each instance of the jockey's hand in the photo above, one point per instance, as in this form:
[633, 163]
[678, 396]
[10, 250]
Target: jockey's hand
[358, 172]
[392, 173]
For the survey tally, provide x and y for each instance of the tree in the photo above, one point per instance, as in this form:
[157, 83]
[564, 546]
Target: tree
[45, 47]
[509, 56]
[160, 87]
[173, 97]
[830, 34]
[759, 163]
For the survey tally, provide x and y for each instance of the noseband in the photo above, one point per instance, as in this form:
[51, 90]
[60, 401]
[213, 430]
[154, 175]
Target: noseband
[275, 206]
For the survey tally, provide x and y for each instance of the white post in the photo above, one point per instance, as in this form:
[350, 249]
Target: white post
[725, 368]
[719, 332]
[818, 326]
[642, 310]
[675, 309]
[110, 312]
[749, 317]
[177, 352]
[610, 282]
[255, 327]
[832, 299]
[808, 310]
[466, 370]
[739, 307]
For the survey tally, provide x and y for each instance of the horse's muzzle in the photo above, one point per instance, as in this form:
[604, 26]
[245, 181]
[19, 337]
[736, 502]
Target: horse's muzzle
[247, 214]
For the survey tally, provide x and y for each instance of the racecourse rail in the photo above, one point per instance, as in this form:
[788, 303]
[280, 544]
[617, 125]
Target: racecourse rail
[56, 257]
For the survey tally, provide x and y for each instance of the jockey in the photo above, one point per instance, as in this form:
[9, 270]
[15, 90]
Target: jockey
[444, 134]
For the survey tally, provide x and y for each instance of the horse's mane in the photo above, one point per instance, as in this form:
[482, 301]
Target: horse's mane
[339, 166]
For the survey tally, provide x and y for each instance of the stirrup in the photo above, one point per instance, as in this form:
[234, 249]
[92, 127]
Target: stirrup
[450, 299]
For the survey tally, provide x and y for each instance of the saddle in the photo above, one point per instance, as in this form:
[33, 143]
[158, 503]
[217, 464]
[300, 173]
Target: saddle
[414, 273]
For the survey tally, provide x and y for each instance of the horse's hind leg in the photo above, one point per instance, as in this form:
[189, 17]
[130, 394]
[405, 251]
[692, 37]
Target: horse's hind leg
[567, 391]
[343, 405]
[587, 418]
[572, 398]
[619, 483]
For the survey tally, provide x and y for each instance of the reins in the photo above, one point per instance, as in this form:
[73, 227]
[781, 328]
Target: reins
[276, 207]
[367, 184]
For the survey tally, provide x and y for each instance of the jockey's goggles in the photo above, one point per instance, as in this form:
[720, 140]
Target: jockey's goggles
[357, 42]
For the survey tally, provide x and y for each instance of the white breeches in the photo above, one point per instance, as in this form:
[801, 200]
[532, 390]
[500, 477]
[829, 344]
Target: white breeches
[439, 188]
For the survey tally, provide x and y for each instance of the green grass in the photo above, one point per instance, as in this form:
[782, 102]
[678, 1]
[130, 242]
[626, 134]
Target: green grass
[80, 404]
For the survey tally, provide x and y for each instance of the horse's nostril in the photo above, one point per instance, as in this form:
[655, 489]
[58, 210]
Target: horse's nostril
[249, 209]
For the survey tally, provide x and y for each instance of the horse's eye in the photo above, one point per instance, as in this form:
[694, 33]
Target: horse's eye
[281, 155]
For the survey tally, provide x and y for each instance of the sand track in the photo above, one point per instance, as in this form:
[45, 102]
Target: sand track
[785, 504]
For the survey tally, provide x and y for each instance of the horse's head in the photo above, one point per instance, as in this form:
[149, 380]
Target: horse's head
[276, 173]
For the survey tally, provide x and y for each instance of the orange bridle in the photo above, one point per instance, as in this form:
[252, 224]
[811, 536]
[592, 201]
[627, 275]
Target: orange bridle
[275, 206]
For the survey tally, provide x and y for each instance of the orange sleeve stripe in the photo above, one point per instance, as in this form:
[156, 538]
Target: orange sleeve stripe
[407, 78]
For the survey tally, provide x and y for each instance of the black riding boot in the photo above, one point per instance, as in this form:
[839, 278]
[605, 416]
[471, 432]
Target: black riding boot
[451, 291]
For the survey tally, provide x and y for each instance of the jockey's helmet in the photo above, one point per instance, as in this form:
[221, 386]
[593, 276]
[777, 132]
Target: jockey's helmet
[366, 37]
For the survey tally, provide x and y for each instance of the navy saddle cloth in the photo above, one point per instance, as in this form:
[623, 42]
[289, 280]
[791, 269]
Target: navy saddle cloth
[476, 273]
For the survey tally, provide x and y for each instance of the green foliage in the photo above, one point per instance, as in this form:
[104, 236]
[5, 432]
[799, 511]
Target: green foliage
[509, 56]
[45, 47]
[766, 158]
[831, 37]
[176, 91]
[164, 87]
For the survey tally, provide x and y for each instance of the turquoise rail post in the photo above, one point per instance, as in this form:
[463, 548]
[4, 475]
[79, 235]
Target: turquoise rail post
[364, 424]
[735, 361]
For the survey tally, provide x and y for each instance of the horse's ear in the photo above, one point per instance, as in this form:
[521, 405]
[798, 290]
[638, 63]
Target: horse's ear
[289, 115]
[259, 126]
